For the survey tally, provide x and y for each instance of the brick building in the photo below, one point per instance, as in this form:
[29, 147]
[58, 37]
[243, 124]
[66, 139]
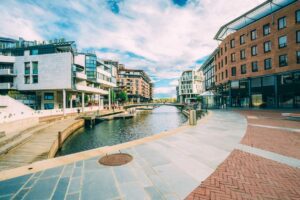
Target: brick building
[257, 63]
[136, 83]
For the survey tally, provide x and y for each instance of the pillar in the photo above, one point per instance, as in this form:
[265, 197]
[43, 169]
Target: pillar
[82, 101]
[99, 101]
[71, 102]
[109, 98]
[64, 102]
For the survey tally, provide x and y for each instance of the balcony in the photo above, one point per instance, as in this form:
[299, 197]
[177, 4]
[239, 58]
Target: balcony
[7, 72]
[85, 88]
[106, 83]
[81, 75]
[6, 86]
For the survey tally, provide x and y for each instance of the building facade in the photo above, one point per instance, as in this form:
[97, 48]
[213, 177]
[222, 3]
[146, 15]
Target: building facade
[52, 75]
[190, 85]
[257, 63]
[136, 83]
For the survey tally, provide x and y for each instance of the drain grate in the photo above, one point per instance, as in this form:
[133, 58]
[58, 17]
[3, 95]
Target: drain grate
[116, 159]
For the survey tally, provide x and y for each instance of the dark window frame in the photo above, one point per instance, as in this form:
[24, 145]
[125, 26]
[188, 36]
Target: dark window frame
[269, 29]
[232, 43]
[254, 47]
[298, 57]
[233, 71]
[284, 45]
[298, 36]
[265, 61]
[281, 63]
[242, 57]
[267, 42]
[243, 69]
[242, 39]
[255, 35]
[284, 24]
[297, 20]
[254, 68]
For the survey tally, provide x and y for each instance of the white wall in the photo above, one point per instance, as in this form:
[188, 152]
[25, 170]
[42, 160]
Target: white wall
[7, 59]
[55, 71]
[80, 60]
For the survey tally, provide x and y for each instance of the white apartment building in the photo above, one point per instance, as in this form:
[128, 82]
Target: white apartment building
[52, 75]
[190, 85]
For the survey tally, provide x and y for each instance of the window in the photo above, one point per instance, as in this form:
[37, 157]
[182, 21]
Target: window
[48, 106]
[283, 60]
[35, 68]
[297, 15]
[268, 63]
[242, 54]
[48, 96]
[34, 52]
[242, 39]
[226, 73]
[254, 66]
[27, 68]
[35, 79]
[233, 57]
[243, 69]
[221, 51]
[281, 23]
[282, 41]
[233, 71]
[266, 29]
[232, 43]
[298, 36]
[225, 47]
[253, 34]
[225, 60]
[27, 79]
[298, 57]
[267, 46]
[254, 50]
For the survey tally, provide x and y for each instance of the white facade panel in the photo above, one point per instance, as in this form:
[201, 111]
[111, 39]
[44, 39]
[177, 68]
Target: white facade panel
[54, 71]
[79, 60]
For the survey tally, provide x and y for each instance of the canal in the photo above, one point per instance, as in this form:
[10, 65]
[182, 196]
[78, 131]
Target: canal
[107, 133]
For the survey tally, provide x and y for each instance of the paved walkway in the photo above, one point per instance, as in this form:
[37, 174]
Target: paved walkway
[265, 166]
[166, 168]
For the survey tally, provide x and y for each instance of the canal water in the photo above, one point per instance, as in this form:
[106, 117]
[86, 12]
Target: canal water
[113, 132]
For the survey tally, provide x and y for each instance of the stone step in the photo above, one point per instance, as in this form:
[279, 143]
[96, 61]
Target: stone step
[17, 141]
[2, 134]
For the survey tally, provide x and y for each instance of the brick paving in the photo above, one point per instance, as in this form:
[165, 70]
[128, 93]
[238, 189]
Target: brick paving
[247, 176]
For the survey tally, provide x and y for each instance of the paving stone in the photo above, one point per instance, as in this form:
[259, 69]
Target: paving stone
[98, 185]
[153, 193]
[77, 172]
[20, 194]
[133, 191]
[11, 186]
[52, 172]
[124, 174]
[61, 188]
[75, 185]
[75, 196]
[43, 189]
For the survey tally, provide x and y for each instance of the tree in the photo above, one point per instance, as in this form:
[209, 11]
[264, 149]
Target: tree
[122, 96]
[112, 95]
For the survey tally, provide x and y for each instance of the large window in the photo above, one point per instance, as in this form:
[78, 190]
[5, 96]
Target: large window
[298, 57]
[266, 29]
[35, 79]
[35, 69]
[233, 57]
[34, 52]
[233, 71]
[298, 36]
[27, 68]
[242, 39]
[253, 34]
[243, 69]
[242, 54]
[297, 16]
[48, 96]
[232, 43]
[268, 63]
[282, 41]
[254, 65]
[281, 23]
[254, 50]
[283, 60]
[27, 79]
[267, 46]
[48, 106]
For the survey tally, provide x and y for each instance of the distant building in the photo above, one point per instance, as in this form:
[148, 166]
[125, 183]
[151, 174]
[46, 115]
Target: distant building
[52, 75]
[136, 83]
[191, 85]
[258, 60]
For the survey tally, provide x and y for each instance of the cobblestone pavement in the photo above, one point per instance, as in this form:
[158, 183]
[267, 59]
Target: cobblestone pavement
[244, 175]
[247, 176]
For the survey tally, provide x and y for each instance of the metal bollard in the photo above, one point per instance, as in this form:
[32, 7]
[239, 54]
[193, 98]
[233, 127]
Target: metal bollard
[59, 140]
[192, 118]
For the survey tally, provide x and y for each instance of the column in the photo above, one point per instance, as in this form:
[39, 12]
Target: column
[71, 102]
[109, 98]
[99, 102]
[64, 102]
[82, 101]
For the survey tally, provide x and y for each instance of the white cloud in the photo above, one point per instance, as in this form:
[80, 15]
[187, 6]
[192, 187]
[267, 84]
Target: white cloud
[170, 38]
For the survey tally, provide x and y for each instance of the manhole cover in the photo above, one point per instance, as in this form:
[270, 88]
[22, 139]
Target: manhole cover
[116, 159]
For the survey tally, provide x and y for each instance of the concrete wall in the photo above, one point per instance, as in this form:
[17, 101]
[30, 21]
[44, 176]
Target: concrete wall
[54, 71]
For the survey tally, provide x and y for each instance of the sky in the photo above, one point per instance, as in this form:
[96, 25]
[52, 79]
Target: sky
[162, 37]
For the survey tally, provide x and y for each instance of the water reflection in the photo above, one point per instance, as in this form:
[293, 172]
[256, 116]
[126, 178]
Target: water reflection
[113, 132]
